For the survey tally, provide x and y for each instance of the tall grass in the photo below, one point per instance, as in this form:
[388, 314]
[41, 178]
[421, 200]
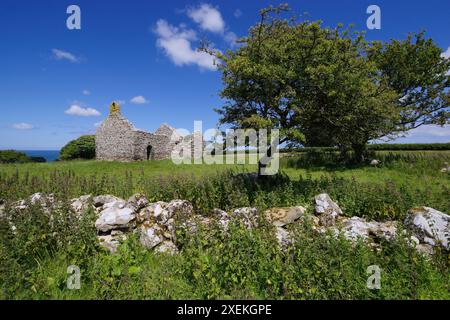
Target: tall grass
[402, 182]
[380, 201]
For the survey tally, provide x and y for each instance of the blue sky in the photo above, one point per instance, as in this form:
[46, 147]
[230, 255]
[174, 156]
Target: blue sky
[56, 84]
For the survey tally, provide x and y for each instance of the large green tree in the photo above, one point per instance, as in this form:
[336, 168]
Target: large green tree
[416, 70]
[419, 73]
[331, 84]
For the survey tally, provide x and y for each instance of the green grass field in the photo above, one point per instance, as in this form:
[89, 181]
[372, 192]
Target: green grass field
[413, 174]
[246, 264]
[419, 168]
[92, 167]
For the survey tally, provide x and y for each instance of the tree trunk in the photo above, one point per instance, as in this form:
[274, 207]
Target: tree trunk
[359, 152]
[343, 153]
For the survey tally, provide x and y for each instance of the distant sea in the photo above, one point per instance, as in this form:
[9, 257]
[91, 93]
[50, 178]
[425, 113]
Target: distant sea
[49, 155]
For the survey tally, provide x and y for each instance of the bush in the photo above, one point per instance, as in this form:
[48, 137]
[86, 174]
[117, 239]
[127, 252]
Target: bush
[81, 148]
[12, 156]
[38, 159]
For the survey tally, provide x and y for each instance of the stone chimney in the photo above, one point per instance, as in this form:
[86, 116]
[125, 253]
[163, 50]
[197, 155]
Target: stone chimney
[114, 108]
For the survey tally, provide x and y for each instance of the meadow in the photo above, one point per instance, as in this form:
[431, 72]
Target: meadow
[246, 263]
[403, 180]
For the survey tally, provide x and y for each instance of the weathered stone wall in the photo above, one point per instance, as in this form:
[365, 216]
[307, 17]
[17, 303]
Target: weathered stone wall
[115, 139]
[160, 146]
[167, 130]
[141, 143]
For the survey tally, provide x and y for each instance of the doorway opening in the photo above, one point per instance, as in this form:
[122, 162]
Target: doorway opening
[149, 152]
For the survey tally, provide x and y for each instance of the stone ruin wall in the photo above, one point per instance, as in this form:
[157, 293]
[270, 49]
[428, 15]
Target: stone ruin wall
[141, 142]
[118, 140]
[115, 139]
[160, 147]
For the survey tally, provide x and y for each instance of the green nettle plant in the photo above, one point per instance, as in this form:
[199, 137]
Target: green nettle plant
[326, 86]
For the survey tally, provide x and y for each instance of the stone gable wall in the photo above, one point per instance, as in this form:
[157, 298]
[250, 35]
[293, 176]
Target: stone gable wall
[115, 139]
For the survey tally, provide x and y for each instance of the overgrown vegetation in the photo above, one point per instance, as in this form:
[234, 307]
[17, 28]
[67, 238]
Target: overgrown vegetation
[244, 264]
[402, 181]
[81, 148]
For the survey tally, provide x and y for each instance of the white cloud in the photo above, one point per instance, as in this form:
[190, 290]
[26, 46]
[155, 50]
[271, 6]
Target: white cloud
[22, 126]
[86, 92]
[165, 30]
[208, 17]
[77, 110]
[237, 13]
[64, 55]
[176, 44]
[139, 100]
[97, 124]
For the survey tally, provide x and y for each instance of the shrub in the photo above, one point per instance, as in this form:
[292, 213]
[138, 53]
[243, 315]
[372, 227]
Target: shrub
[38, 159]
[81, 148]
[12, 156]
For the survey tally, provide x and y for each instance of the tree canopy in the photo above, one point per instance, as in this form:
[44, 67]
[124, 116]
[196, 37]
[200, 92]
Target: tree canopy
[331, 86]
[81, 148]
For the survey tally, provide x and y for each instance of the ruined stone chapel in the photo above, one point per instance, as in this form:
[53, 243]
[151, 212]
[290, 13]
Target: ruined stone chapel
[117, 139]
